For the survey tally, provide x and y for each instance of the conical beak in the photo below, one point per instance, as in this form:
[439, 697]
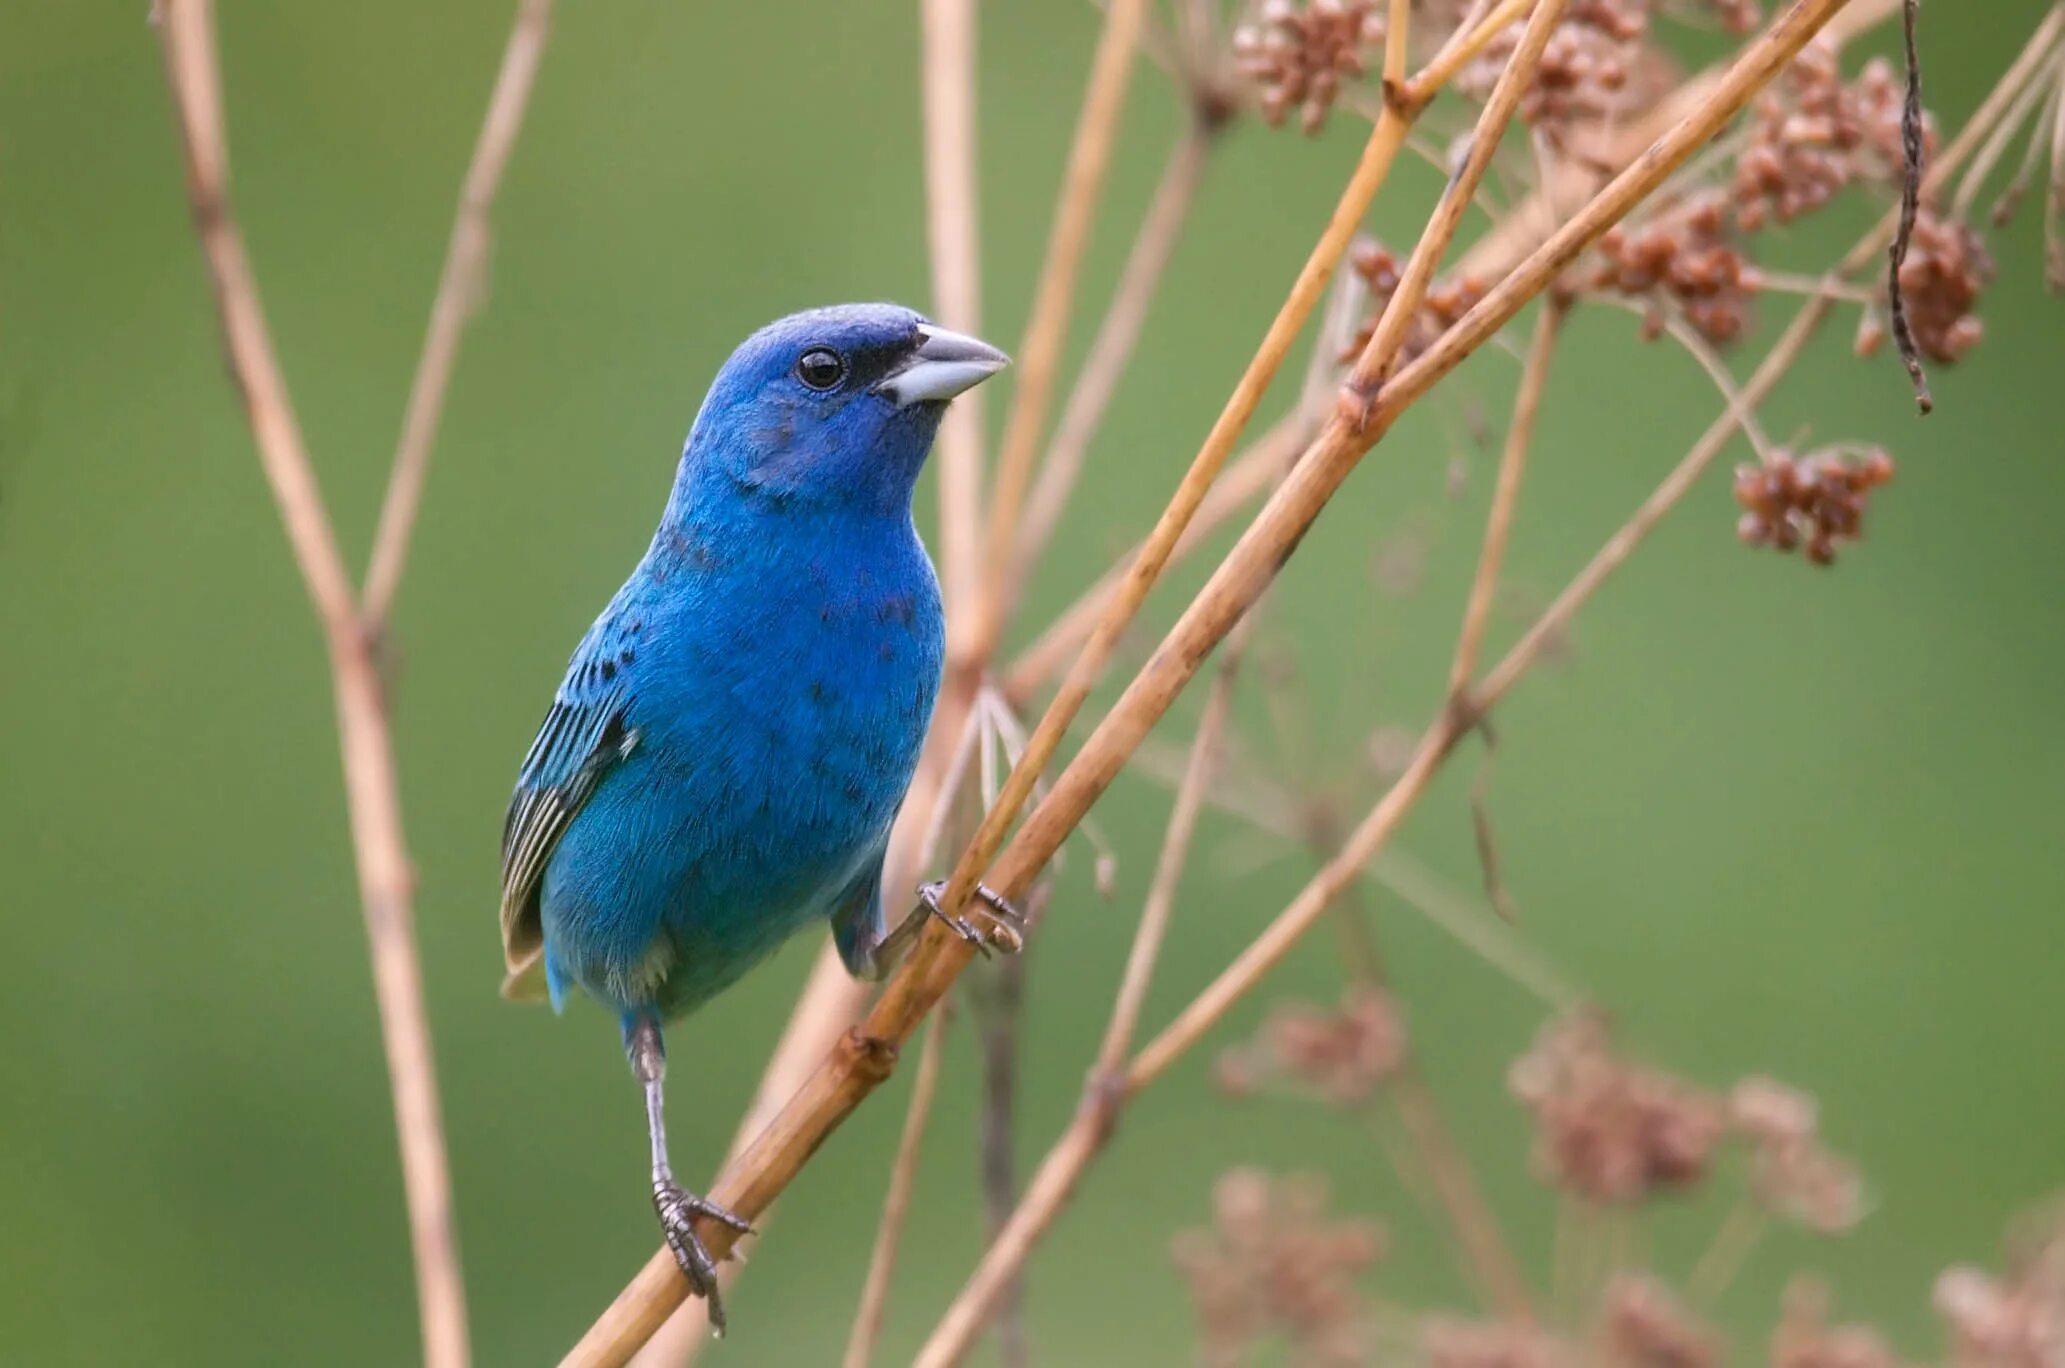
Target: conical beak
[944, 364]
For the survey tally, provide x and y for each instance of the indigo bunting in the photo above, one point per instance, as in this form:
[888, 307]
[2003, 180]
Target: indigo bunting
[735, 733]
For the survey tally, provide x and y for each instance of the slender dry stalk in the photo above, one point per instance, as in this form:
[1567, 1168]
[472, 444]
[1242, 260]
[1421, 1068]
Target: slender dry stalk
[1112, 350]
[948, 57]
[1505, 496]
[1046, 330]
[1060, 1172]
[460, 287]
[896, 1203]
[865, 1056]
[386, 879]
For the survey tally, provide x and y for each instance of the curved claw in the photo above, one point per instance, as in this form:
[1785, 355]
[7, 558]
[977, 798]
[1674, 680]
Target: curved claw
[677, 1210]
[1007, 932]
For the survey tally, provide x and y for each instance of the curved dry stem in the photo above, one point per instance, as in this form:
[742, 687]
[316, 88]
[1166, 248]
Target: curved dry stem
[460, 286]
[386, 881]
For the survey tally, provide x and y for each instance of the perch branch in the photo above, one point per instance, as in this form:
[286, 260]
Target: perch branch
[896, 1203]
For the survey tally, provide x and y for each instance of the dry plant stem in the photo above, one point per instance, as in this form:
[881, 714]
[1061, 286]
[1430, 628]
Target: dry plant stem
[459, 289]
[1732, 1242]
[951, 206]
[1989, 153]
[1112, 351]
[1062, 1169]
[867, 1053]
[386, 881]
[2054, 203]
[1476, 1228]
[1039, 355]
[1462, 48]
[1505, 495]
[896, 1203]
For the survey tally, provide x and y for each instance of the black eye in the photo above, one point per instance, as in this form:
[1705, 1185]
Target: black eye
[821, 368]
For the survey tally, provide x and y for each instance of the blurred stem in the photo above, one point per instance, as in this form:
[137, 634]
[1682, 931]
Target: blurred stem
[461, 286]
[952, 210]
[999, 1024]
[896, 1202]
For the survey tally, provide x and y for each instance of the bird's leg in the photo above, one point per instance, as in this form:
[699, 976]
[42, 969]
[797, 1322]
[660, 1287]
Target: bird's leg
[1007, 929]
[677, 1208]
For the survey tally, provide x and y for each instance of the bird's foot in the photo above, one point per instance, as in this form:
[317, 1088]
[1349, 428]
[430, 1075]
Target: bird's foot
[677, 1210]
[1006, 931]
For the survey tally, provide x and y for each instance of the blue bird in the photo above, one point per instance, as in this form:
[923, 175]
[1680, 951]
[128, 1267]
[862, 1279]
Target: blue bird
[723, 761]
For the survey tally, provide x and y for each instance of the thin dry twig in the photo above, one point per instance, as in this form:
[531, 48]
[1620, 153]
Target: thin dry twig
[867, 1053]
[460, 287]
[896, 1202]
[1910, 205]
[1039, 355]
[386, 880]
[1112, 350]
[951, 203]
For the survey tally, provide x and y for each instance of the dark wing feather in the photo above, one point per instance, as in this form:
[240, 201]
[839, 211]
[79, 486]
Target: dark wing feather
[584, 735]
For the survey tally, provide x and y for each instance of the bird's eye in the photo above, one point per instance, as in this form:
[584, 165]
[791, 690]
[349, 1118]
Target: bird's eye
[821, 368]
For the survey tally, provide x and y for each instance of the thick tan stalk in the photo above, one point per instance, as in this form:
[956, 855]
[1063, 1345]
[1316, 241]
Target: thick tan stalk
[386, 880]
[1046, 331]
[951, 218]
[1059, 1173]
[459, 289]
[896, 1203]
[1112, 350]
[865, 1056]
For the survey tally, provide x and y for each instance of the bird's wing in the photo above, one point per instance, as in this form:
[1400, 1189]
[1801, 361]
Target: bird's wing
[583, 737]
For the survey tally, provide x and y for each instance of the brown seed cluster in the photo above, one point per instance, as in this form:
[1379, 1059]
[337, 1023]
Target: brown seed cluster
[1813, 134]
[1297, 56]
[1737, 16]
[1448, 1342]
[1947, 265]
[1805, 1339]
[1444, 304]
[1644, 1326]
[1586, 69]
[1606, 1129]
[2015, 1320]
[1273, 1264]
[1792, 1172]
[1683, 256]
[1813, 501]
[1342, 1055]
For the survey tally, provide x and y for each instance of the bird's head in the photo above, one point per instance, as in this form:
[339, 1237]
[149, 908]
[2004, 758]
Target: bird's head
[835, 406]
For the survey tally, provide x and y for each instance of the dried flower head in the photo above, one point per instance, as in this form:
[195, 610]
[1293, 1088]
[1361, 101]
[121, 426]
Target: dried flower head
[1947, 265]
[1451, 1343]
[1586, 69]
[1445, 302]
[1815, 500]
[1813, 134]
[1645, 1327]
[1805, 1339]
[1606, 1129]
[1682, 255]
[1341, 1055]
[1273, 1264]
[1298, 56]
[2016, 1320]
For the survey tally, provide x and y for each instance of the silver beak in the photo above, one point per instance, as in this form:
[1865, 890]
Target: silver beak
[944, 364]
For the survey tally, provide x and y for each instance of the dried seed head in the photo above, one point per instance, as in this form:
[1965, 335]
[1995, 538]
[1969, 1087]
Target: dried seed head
[1341, 1056]
[1805, 1339]
[1813, 134]
[1682, 254]
[1947, 265]
[1273, 1264]
[1586, 68]
[1298, 56]
[1815, 500]
[1451, 1343]
[2015, 1320]
[1644, 1325]
[1606, 1129]
[1443, 305]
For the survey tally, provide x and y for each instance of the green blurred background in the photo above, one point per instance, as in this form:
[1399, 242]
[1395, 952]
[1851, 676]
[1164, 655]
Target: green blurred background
[1779, 820]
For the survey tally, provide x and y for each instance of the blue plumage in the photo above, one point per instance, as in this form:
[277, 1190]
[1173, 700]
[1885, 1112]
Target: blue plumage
[723, 761]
